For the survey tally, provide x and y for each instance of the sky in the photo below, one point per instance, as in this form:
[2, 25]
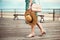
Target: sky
[20, 4]
[50, 3]
[12, 4]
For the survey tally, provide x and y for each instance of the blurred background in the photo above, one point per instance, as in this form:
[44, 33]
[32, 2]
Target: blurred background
[50, 8]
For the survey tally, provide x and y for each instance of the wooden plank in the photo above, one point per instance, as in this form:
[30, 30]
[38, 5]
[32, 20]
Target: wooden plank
[18, 30]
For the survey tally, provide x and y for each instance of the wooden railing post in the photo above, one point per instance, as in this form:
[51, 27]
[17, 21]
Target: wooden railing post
[53, 14]
[1, 13]
[14, 11]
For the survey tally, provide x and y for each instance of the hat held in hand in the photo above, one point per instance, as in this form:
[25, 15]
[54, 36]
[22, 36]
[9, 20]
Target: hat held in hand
[29, 18]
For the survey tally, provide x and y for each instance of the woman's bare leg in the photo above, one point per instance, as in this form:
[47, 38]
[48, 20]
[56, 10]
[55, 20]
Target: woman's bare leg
[32, 34]
[41, 28]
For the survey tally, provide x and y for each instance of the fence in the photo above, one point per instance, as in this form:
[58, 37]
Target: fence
[53, 13]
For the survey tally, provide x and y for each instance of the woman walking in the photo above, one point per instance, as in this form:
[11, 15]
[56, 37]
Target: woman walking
[29, 3]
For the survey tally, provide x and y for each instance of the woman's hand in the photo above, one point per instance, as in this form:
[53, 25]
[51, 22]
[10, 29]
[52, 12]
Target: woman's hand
[30, 5]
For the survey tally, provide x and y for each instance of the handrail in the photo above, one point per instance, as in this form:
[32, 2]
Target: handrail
[16, 11]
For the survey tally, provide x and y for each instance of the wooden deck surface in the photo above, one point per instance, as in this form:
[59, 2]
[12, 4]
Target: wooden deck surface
[17, 30]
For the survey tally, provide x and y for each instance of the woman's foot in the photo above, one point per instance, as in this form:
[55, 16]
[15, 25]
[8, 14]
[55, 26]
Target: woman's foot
[31, 35]
[42, 33]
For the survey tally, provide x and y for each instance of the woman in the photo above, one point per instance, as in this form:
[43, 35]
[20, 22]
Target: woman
[29, 4]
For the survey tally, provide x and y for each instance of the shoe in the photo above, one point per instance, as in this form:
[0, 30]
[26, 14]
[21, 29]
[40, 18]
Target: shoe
[31, 35]
[43, 33]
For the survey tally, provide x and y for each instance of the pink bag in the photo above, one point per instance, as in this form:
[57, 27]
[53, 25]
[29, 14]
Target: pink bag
[36, 7]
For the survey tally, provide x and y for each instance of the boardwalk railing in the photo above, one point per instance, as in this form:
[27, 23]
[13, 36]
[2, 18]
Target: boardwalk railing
[54, 12]
[50, 11]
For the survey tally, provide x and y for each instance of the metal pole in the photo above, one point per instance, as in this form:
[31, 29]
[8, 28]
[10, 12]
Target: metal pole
[1, 13]
[53, 14]
[15, 11]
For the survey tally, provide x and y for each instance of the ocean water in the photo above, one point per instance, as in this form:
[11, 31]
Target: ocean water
[19, 5]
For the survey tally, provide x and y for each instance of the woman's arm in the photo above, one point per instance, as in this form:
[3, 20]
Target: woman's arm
[30, 2]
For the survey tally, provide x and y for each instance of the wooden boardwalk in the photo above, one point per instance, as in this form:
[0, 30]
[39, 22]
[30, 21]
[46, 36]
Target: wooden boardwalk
[17, 30]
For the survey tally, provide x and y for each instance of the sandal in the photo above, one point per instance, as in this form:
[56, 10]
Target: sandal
[31, 35]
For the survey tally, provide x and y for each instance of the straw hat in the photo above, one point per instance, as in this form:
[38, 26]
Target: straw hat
[30, 17]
